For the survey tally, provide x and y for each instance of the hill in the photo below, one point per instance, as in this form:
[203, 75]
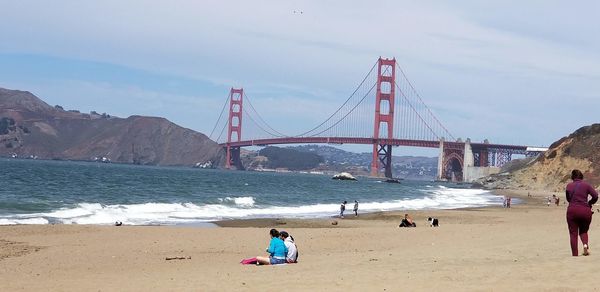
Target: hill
[29, 127]
[411, 167]
[552, 170]
[288, 158]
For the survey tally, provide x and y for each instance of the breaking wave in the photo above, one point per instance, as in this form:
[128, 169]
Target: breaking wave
[439, 197]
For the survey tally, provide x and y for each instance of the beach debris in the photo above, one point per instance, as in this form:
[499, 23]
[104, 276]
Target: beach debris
[178, 258]
[334, 222]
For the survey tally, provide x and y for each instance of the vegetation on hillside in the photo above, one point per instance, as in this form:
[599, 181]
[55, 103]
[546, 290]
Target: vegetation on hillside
[290, 159]
[6, 125]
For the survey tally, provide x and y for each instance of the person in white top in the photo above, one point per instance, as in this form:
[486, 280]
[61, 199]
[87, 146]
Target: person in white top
[292, 255]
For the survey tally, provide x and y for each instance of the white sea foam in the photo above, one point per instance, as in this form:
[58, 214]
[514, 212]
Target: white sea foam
[242, 207]
[241, 201]
[16, 221]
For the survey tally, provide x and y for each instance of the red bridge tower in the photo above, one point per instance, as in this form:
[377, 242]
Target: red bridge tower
[386, 85]
[236, 97]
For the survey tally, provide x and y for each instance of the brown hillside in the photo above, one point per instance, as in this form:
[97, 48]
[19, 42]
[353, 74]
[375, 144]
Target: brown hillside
[552, 170]
[29, 126]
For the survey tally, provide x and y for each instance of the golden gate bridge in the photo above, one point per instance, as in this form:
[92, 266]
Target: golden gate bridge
[385, 110]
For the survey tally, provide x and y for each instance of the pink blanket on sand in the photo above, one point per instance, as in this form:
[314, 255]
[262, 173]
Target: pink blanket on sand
[249, 261]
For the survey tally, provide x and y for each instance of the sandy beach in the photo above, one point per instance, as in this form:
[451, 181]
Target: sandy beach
[524, 248]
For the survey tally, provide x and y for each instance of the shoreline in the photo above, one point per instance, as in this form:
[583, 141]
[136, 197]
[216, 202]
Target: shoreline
[473, 249]
[488, 198]
[323, 221]
[326, 222]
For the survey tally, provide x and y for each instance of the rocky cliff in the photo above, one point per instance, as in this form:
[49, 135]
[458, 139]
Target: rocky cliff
[31, 128]
[552, 170]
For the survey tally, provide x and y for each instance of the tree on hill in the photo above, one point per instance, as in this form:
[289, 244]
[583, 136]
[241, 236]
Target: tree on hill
[290, 159]
[6, 125]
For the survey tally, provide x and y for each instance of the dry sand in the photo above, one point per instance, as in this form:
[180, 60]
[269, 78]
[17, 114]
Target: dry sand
[524, 248]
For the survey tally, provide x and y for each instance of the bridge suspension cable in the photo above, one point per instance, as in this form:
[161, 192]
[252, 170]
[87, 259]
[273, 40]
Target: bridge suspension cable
[415, 111]
[347, 114]
[277, 133]
[221, 133]
[412, 118]
[445, 130]
[219, 119]
[248, 115]
[340, 108]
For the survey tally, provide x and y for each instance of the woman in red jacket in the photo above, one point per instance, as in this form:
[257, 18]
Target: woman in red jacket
[579, 212]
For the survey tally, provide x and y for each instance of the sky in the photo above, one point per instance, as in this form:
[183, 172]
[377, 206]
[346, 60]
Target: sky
[512, 72]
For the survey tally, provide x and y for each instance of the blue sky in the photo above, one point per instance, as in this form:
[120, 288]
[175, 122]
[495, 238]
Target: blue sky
[513, 72]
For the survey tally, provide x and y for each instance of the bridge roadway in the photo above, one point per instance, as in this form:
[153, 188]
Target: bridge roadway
[370, 141]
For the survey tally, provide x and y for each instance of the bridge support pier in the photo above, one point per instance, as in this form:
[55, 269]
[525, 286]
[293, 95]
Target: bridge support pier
[382, 158]
[234, 158]
[451, 163]
[468, 161]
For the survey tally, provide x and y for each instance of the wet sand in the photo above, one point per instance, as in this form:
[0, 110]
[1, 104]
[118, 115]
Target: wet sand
[524, 248]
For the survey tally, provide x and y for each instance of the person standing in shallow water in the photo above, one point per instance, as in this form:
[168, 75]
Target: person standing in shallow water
[342, 209]
[355, 208]
[579, 212]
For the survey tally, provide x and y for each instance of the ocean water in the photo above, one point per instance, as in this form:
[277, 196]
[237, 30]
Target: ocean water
[46, 192]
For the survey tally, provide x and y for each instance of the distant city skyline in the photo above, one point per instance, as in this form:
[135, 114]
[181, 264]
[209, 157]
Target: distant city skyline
[507, 71]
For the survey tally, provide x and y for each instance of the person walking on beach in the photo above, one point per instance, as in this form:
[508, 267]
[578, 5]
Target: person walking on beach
[355, 208]
[277, 251]
[342, 209]
[579, 212]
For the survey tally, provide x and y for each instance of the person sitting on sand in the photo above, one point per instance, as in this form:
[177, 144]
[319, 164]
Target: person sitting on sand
[288, 240]
[407, 222]
[277, 251]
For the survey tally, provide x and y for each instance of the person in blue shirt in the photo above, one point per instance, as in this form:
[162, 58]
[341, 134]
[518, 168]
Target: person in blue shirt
[277, 251]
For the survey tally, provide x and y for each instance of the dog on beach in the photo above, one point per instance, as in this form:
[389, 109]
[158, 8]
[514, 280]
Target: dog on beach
[433, 222]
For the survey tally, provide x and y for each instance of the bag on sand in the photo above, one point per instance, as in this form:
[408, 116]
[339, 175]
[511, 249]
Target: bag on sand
[249, 261]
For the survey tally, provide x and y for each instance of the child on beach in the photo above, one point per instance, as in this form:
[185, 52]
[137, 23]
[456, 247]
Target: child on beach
[277, 251]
